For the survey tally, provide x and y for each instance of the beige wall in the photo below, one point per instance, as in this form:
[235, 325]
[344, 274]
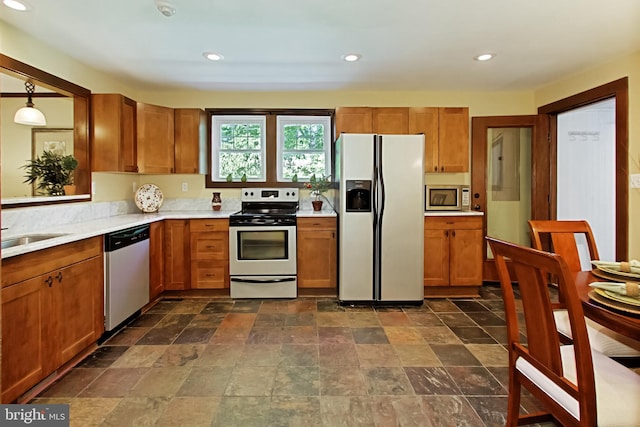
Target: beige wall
[624, 67]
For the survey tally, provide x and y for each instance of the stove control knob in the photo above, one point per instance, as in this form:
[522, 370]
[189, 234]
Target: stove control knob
[293, 193]
[246, 193]
[287, 194]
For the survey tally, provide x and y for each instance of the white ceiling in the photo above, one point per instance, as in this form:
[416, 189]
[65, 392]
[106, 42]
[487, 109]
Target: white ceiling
[298, 44]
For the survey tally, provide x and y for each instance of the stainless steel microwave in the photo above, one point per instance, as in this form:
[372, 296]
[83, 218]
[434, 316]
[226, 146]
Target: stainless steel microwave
[447, 198]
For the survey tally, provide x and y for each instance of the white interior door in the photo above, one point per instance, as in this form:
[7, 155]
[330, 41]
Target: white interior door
[586, 173]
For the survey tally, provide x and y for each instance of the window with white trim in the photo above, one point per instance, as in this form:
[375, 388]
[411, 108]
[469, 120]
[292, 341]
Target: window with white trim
[238, 148]
[271, 147]
[304, 147]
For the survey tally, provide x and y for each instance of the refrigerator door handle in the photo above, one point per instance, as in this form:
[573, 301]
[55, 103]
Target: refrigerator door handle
[379, 207]
[382, 189]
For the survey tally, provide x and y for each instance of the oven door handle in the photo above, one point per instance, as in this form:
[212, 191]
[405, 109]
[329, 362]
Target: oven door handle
[286, 279]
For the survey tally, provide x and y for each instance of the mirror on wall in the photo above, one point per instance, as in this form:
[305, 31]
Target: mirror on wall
[66, 108]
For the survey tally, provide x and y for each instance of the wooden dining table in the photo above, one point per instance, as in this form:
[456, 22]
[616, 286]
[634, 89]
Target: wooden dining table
[624, 323]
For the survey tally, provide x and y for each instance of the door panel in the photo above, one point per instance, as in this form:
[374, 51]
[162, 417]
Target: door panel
[618, 89]
[497, 164]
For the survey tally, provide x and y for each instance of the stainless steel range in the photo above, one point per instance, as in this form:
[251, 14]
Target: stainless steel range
[262, 244]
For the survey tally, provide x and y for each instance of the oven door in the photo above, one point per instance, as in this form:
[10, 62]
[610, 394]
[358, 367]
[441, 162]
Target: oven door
[262, 250]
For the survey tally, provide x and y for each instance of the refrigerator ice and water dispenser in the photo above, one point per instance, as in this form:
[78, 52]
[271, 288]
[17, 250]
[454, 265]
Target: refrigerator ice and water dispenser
[358, 196]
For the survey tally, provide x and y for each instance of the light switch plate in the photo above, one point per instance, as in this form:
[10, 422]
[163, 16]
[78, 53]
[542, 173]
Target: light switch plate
[635, 180]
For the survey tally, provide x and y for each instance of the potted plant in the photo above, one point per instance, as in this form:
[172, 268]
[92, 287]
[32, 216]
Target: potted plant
[51, 172]
[318, 186]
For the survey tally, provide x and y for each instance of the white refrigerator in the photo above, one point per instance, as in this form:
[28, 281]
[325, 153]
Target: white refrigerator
[380, 205]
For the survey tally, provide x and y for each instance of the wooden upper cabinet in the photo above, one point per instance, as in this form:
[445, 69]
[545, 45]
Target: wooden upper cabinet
[391, 121]
[190, 140]
[114, 119]
[453, 138]
[353, 120]
[383, 120]
[155, 139]
[446, 134]
[424, 120]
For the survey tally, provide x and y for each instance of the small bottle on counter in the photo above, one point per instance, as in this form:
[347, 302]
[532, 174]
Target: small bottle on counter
[216, 201]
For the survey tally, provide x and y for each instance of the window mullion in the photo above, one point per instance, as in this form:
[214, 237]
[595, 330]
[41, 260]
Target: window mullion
[272, 148]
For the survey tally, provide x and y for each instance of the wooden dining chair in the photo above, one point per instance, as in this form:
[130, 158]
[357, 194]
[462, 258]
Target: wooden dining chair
[575, 385]
[562, 237]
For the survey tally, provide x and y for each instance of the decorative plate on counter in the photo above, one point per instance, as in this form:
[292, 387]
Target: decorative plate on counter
[149, 198]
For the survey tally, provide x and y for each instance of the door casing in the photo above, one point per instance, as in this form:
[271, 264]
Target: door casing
[543, 167]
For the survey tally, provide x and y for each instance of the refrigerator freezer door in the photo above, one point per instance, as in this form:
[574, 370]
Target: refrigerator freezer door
[402, 218]
[355, 228]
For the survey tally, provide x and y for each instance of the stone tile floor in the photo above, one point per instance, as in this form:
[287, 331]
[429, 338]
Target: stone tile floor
[303, 362]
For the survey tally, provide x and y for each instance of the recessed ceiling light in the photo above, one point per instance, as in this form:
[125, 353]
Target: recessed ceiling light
[20, 6]
[212, 56]
[166, 8]
[351, 57]
[484, 56]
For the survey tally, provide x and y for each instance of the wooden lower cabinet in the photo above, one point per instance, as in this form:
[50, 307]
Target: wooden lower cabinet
[209, 243]
[316, 241]
[176, 254]
[52, 309]
[452, 256]
[156, 259]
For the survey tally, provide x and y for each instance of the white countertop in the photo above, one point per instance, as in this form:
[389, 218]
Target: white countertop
[84, 230]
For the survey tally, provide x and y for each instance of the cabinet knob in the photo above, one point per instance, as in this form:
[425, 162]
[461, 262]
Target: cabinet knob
[446, 233]
[476, 207]
[48, 281]
[59, 276]
[453, 233]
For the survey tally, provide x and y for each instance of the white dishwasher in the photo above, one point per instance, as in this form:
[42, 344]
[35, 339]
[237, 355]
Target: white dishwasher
[126, 271]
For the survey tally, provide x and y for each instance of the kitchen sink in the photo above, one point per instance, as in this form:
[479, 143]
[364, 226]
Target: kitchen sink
[26, 239]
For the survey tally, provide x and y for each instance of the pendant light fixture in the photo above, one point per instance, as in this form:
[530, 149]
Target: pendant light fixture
[30, 115]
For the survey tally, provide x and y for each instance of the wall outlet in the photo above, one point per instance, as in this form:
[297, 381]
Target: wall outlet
[135, 186]
[635, 180]
[185, 187]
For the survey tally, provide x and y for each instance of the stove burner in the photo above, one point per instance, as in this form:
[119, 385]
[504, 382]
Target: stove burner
[249, 218]
[276, 210]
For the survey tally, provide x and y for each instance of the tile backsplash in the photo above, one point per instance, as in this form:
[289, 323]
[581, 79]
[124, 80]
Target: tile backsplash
[42, 218]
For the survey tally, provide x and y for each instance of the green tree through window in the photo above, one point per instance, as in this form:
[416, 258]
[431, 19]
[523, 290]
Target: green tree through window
[270, 146]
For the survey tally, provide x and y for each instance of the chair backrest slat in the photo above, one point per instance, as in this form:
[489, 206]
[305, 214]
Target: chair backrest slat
[530, 269]
[563, 240]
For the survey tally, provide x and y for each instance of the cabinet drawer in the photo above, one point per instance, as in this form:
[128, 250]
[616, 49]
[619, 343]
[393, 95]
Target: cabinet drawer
[316, 223]
[208, 275]
[449, 222]
[209, 246]
[200, 225]
[23, 267]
